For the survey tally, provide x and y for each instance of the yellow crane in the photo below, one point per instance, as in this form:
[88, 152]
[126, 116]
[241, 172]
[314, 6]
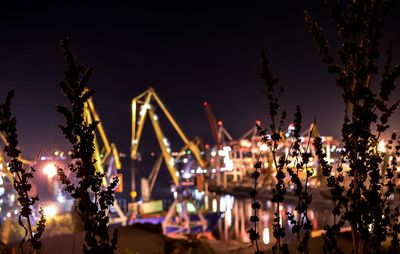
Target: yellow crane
[143, 105]
[107, 158]
[3, 161]
[105, 153]
[6, 227]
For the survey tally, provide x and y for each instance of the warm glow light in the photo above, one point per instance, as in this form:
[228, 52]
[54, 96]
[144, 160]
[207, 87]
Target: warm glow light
[222, 204]
[214, 205]
[381, 146]
[263, 147]
[228, 162]
[50, 170]
[206, 202]
[266, 238]
[228, 217]
[245, 143]
[50, 210]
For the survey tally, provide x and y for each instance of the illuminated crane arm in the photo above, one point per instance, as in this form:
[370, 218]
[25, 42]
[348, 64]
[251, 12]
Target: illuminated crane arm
[192, 146]
[3, 160]
[24, 161]
[4, 167]
[105, 154]
[103, 149]
[7, 224]
[108, 148]
[169, 161]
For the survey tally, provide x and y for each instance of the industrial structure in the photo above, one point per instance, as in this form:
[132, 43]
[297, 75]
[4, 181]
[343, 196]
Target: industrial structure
[144, 105]
[106, 156]
[225, 165]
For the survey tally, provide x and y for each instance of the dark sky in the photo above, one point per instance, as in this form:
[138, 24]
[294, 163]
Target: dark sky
[189, 53]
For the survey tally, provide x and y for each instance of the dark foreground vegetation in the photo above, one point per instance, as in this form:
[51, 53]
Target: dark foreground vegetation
[366, 204]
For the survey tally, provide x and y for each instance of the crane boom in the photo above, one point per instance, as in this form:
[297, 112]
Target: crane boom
[104, 150]
[169, 161]
[4, 163]
[217, 129]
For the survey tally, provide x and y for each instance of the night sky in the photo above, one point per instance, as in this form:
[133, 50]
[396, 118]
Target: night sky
[189, 53]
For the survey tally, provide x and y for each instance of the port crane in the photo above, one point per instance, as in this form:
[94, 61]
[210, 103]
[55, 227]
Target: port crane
[143, 105]
[224, 156]
[107, 158]
[220, 134]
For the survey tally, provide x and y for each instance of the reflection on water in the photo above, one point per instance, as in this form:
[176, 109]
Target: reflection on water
[236, 213]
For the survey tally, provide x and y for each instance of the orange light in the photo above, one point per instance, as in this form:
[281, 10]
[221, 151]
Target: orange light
[258, 122]
[266, 238]
[50, 170]
[219, 123]
[381, 146]
[50, 211]
[207, 146]
[119, 187]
